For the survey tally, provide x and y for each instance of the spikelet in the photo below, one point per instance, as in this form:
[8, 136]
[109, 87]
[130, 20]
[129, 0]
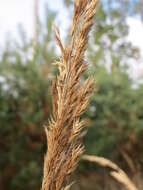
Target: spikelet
[70, 98]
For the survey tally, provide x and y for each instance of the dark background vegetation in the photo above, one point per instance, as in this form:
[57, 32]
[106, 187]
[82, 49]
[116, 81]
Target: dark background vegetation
[114, 116]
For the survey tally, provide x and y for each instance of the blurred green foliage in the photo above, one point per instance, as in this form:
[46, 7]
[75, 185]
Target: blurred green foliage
[24, 108]
[115, 116]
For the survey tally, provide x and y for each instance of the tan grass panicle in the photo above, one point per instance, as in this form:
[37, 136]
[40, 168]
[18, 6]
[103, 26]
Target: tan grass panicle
[70, 98]
[117, 173]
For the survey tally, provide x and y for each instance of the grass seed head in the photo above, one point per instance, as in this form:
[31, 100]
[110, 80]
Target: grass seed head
[70, 97]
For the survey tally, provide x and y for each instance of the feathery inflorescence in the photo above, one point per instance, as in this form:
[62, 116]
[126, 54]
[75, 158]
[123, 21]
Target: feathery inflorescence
[70, 98]
[116, 172]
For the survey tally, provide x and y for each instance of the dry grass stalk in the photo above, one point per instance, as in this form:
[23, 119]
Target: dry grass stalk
[116, 172]
[70, 98]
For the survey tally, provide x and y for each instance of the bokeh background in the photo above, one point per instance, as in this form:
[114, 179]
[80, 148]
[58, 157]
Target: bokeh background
[115, 114]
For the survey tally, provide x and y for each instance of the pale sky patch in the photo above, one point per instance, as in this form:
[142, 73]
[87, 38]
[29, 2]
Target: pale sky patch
[136, 37]
[135, 32]
[13, 13]
[18, 12]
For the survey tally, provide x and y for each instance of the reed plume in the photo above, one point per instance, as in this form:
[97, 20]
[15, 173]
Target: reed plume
[117, 173]
[70, 97]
